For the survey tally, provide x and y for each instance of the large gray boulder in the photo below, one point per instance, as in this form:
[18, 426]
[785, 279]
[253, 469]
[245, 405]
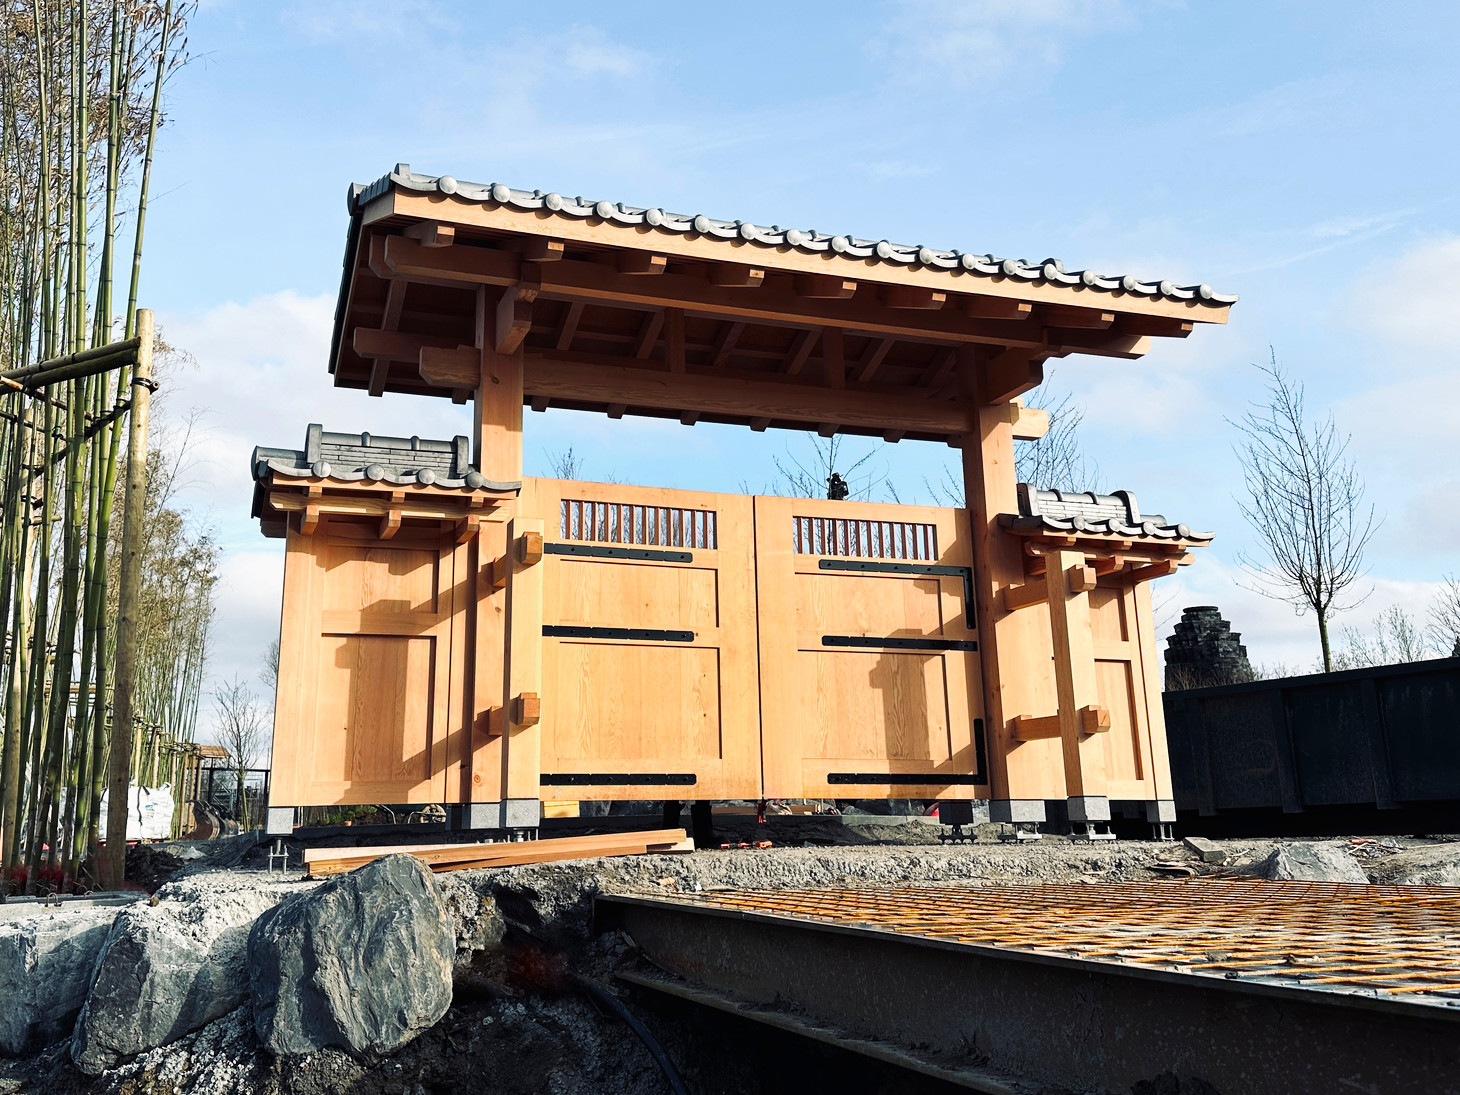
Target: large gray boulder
[1435, 865]
[172, 967]
[45, 967]
[1311, 863]
[362, 964]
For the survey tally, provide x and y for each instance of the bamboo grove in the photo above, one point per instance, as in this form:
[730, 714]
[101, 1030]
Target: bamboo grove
[81, 86]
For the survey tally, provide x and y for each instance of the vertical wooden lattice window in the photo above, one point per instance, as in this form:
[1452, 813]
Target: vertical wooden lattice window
[626, 523]
[865, 539]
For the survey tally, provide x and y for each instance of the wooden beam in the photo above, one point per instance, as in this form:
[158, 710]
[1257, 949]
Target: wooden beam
[641, 262]
[912, 296]
[725, 343]
[715, 394]
[431, 233]
[759, 425]
[539, 249]
[892, 437]
[539, 403]
[406, 257]
[824, 287]
[997, 308]
[569, 328]
[468, 527]
[497, 423]
[674, 339]
[456, 368]
[379, 375]
[940, 370]
[1009, 374]
[827, 429]
[833, 358]
[801, 347]
[1102, 343]
[597, 283]
[395, 303]
[365, 506]
[693, 247]
[528, 547]
[648, 335]
[390, 523]
[1030, 593]
[397, 345]
[872, 357]
[1153, 570]
[689, 418]
[616, 410]
[1064, 315]
[1032, 728]
[526, 709]
[735, 275]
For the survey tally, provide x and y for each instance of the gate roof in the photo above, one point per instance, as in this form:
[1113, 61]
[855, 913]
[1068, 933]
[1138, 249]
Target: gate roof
[627, 309]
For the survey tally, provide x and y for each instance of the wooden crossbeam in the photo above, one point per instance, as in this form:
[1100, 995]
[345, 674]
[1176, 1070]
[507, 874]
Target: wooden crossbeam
[912, 296]
[725, 342]
[1030, 423]
[290, 502]
[1155, 570]
[395, 303]
[1093, 720]
[801, 347]
[1007, 375]
[373, 342]
[1022, 596]
[564, 338]
[674, 339]
[717, 394]
[648, 335]
[1064, 315]
[379, 375]
[872, 358]
[457, 368]
[539, 249]
[833, 358]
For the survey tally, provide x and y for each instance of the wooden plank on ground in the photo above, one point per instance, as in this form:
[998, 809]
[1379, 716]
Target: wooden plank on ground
[323, 861]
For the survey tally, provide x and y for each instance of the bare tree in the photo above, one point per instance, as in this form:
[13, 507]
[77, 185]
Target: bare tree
[1395, 639]
[242, 730]
[828, 471]
[269, 670]
[565, 464]
[1444, 625]
[1305, 502]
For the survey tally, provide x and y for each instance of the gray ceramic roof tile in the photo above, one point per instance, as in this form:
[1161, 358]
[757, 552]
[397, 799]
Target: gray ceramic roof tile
[1093, 514]
[399, 461]
[1051, 271]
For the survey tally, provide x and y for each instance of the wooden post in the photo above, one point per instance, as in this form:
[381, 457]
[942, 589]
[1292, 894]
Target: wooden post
[1021, 776]
[523, 675]
[1074, 667]
[114, 862]
[498, 427]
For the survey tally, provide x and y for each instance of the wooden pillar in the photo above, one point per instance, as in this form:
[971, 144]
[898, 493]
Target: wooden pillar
[497, 441]
[522, 691]
[1161, 807]
[497, 453]
[1067, 584]
[1012, 646]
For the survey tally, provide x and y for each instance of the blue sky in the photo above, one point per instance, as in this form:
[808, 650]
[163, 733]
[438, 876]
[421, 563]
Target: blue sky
[1303, 155]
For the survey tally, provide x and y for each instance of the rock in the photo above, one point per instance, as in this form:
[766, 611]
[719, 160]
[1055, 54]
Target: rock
[477, 921]
[171, 968]
[1207, 851]
[1438, 865]
[363, 963]
[45, 967]
[1310, 863]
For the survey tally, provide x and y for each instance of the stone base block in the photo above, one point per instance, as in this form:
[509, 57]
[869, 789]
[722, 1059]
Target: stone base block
[1088, 808]
[1014, 811]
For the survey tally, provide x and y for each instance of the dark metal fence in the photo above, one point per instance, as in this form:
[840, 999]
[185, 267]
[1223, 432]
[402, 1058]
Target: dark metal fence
[218, 789]
[1385, 738]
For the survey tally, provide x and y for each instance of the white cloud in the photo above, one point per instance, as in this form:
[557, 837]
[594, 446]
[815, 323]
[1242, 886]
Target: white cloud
[1412, 303]
[976, 42]
[1298, 102]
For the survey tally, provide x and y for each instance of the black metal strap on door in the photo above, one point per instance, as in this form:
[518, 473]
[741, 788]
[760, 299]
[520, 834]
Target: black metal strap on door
[595, 551]
[938, 569]
[877, 642]
[617, 779]
[978, 777]
[637, 634]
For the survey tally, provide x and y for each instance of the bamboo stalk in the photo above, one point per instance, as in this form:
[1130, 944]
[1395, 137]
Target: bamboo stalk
[131, 576]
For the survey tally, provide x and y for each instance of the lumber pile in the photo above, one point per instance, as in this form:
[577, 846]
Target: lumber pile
[459, 857]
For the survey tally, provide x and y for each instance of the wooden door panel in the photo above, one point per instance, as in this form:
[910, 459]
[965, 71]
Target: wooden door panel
[375, 711]
[846, 688]
[679, 701]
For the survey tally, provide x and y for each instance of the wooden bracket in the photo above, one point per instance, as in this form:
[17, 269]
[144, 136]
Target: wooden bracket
[309, 517]
[458, 369]
[1081, 579]
[390, 523]
[496, 572]
[526, 709]
[496, 722]
[514, 311]
[1093, 720]
[529, 548]
[1154, 570]
[432, 234]
[1030, 593]
[1030, 423]
[735, 275]
[468, 527]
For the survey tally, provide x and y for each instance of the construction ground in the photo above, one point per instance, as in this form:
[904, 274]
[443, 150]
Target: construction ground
[852, 954]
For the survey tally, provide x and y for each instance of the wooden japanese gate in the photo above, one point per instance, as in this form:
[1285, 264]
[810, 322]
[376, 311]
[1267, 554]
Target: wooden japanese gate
[495, 641]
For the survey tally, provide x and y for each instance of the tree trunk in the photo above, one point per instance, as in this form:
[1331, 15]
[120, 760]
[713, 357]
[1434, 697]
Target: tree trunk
[1323, 638]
